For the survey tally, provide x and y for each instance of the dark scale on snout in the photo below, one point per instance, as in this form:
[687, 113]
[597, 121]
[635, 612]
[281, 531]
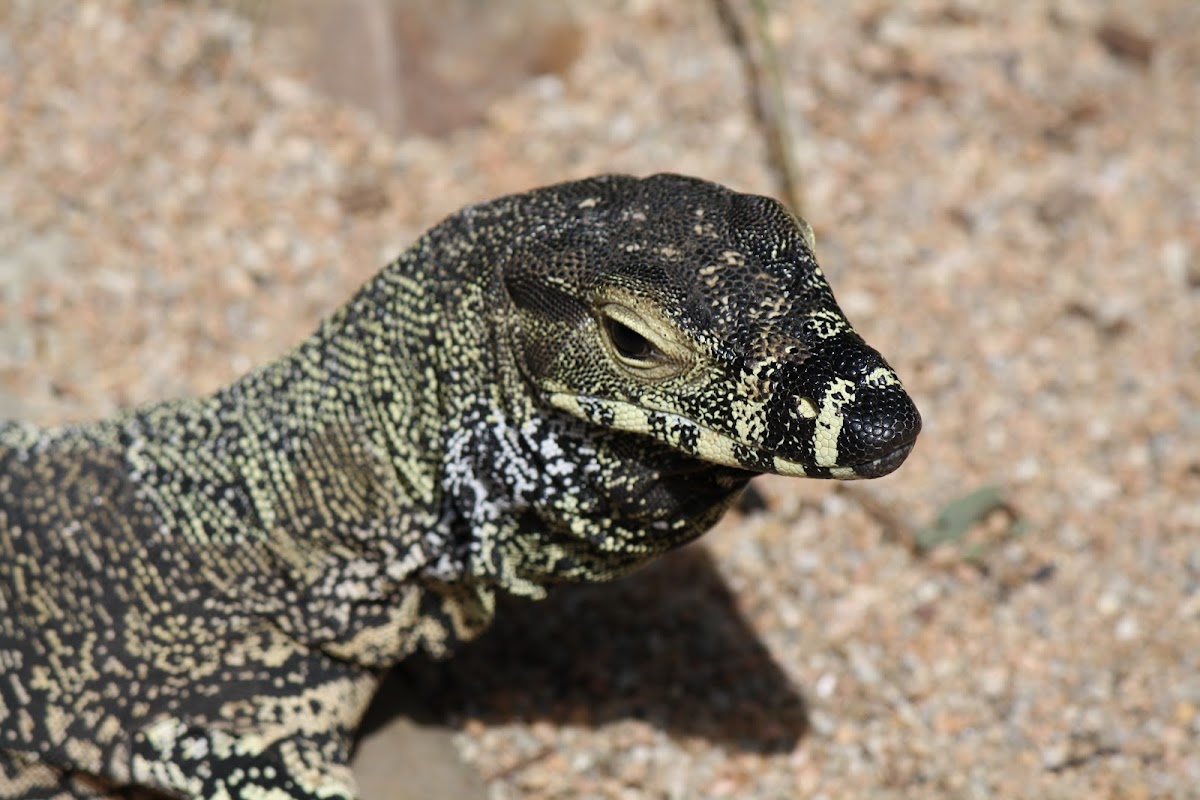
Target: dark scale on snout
[199, 596]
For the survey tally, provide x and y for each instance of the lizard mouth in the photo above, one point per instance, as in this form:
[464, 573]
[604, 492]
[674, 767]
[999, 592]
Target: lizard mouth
[876, 467]
[676, 431]
[713, 447]
[680, 433]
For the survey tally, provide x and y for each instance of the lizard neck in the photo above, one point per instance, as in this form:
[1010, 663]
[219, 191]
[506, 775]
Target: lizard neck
[309, 490]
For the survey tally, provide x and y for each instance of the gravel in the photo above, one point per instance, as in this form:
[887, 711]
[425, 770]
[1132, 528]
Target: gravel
[1006, 203]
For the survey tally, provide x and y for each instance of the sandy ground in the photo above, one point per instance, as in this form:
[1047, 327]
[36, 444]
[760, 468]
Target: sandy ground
[1005, 203]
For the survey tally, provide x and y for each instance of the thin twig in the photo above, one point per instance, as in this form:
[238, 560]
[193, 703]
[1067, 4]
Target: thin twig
[520, 764]
[764, 81]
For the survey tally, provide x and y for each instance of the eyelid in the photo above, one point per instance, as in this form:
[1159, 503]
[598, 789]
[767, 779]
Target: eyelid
[670, 358]
[618, 330]
[634, 321]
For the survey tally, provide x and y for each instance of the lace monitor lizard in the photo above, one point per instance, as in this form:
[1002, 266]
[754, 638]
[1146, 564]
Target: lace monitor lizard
[199, 596]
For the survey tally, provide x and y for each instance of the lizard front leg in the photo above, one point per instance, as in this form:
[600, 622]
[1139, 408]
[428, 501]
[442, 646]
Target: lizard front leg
[216, 765]
[269, 745]
[22, 778]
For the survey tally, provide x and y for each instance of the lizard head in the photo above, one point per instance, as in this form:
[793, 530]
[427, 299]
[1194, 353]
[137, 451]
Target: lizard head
[676, 309]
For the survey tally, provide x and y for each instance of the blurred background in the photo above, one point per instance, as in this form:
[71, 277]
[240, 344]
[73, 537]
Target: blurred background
[1006, 203]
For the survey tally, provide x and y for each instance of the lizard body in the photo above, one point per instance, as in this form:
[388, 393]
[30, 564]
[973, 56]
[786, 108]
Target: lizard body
[198, 596]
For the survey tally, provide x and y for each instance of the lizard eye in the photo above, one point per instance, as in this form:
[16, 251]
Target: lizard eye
[642, 346]
[630, 344]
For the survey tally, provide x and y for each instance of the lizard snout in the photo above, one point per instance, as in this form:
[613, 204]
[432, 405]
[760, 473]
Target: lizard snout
[876, 439]
[879, 421]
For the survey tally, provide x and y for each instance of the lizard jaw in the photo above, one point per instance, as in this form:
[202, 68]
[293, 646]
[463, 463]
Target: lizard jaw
[876, 467]
[717, 448]
[681, 433]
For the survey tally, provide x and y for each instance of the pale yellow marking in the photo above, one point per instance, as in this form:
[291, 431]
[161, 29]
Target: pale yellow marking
[711, 446]
[25, 724]
[882, 376]
[829, 422]
[399, 619]
[790, 468]
[259, 483]
[631, 418]
[833, 323]
[567, 402]
[162, 735]
[57, 722]
[808, 408]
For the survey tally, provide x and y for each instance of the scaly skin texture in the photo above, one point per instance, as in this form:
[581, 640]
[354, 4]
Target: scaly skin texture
[198, 596]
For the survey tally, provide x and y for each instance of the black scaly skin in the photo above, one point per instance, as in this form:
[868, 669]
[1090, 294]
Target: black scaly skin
[198, 596]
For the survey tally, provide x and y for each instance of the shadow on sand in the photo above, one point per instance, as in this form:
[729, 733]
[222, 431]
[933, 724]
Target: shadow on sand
[666, 645]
